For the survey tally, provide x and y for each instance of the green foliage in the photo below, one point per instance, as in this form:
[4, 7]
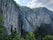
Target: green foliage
[1, 20]
[14, 36]
[48, 37]
[3, 32]
[30, 36]
[37, 32]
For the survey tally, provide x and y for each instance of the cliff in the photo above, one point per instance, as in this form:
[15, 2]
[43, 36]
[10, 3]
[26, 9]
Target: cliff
[10, 11]
[24, 18]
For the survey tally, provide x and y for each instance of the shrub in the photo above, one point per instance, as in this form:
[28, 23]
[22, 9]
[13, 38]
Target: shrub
[30, 36]
[48, 37]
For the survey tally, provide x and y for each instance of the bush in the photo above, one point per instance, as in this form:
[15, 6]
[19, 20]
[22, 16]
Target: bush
[48, 37]
[30, 36]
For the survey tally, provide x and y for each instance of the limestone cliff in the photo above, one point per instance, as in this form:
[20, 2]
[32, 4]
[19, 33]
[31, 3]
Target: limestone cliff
[10, 11]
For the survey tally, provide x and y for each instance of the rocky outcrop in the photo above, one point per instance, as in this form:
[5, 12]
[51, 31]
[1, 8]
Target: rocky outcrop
[10, 11]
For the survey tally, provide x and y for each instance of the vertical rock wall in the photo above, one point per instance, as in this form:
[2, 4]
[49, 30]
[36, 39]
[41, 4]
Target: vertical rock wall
[10, 12]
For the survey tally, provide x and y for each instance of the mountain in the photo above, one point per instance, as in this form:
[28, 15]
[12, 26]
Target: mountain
[37, 17]
[29, 19]
[24, 18]
[45, 16]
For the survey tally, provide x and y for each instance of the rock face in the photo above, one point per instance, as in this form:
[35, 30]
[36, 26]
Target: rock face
[24, 17]
[10, 12]
[37, 17]
[29, 19]
[44, 15]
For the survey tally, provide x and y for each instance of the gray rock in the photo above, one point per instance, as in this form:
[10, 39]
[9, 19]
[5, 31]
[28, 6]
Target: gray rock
[24, 17]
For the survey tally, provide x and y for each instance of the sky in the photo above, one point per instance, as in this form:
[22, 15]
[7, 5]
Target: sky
[36, 3]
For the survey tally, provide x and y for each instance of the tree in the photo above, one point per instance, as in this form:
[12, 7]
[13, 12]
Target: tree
[3, 32]
[37, 33]
[14, 35]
